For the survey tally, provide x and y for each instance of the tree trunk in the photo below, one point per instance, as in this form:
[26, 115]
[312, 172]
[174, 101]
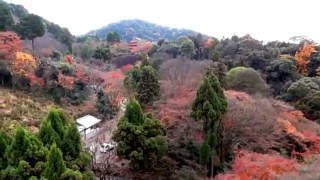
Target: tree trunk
[32, 42]
[211, 167]
[205, 171]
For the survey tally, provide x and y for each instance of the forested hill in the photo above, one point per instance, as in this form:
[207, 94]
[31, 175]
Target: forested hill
[129, 29]
[61, 34]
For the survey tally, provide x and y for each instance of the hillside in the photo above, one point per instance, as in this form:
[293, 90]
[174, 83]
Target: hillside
[59, 36]
[128, 29]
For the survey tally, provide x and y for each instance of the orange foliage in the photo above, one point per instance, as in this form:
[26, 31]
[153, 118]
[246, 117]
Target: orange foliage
[65, 81]
[68, 59]
[209, 43]
[81, 75]
[249, 165]
[24, 63]
[303, 57]
[9, 44]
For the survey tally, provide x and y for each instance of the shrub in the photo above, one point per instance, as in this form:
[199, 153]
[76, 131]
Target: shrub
[246, 80]
[300, 89]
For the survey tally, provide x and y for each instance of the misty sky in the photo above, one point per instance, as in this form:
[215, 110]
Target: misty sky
[263, 19]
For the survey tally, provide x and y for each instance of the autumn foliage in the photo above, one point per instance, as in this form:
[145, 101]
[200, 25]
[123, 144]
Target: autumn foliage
[81, 75]
[66, 81]
[303, 57]
[34, 80]
[249, 165]
[24, 63]
[126, 68]
[68, 59]
[9, 44]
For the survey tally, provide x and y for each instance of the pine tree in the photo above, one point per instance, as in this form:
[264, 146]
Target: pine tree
[140, 138]
[205, 155]
[55, 118]
[5, 142]
[55, 166]
[19, 147]
[134, 113]
[104, 105]
[148, 88]
[71, 143]
[216, 86]
[209, 106]
[47, 135]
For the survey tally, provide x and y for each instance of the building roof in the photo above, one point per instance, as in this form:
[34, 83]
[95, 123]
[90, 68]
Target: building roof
[88, 121]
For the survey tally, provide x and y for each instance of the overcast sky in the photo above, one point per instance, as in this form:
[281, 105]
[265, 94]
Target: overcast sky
[263, 19]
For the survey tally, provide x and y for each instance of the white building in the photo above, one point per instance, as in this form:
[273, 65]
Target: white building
[88, 126]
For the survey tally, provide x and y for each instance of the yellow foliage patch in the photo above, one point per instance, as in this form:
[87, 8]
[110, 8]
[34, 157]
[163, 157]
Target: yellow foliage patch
[24, 63]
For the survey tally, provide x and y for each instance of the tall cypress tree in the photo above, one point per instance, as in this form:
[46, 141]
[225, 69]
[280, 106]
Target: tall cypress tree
[148, 88]
[55, 166]
[104, 105]
[55, 118]
[47, 135]
[134, 113]
[71, 143]
[209, 106]
[5, 142]
[19, 147]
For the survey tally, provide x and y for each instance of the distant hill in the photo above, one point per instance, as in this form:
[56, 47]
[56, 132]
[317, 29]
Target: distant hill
[129, 29]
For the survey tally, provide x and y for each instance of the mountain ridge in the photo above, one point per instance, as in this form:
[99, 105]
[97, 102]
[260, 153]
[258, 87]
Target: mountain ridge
[137, 28]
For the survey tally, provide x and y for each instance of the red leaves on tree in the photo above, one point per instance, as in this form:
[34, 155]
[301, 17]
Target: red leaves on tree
[81, 75]
[34, 80]
[66, 81]
[68, 59]
[115, 74]
[249, 165]
[9, 44]
[126, 68]
[303, 57]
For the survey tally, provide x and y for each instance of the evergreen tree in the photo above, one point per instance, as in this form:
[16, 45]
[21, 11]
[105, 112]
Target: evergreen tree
[55, 166]
[148, 88]
[6, 20]
[25, 156]
[205, 155]
[19, 147]
[216, 86]
[104, 105]
[47, 135]
[209, 106]
[140, 139]
[30, 27]
[143, 82]
[134, 114]
[57, 121]
[5, 142]
[71, 143]
[113, 37]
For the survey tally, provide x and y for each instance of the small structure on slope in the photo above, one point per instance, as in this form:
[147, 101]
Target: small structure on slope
[88, 126]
